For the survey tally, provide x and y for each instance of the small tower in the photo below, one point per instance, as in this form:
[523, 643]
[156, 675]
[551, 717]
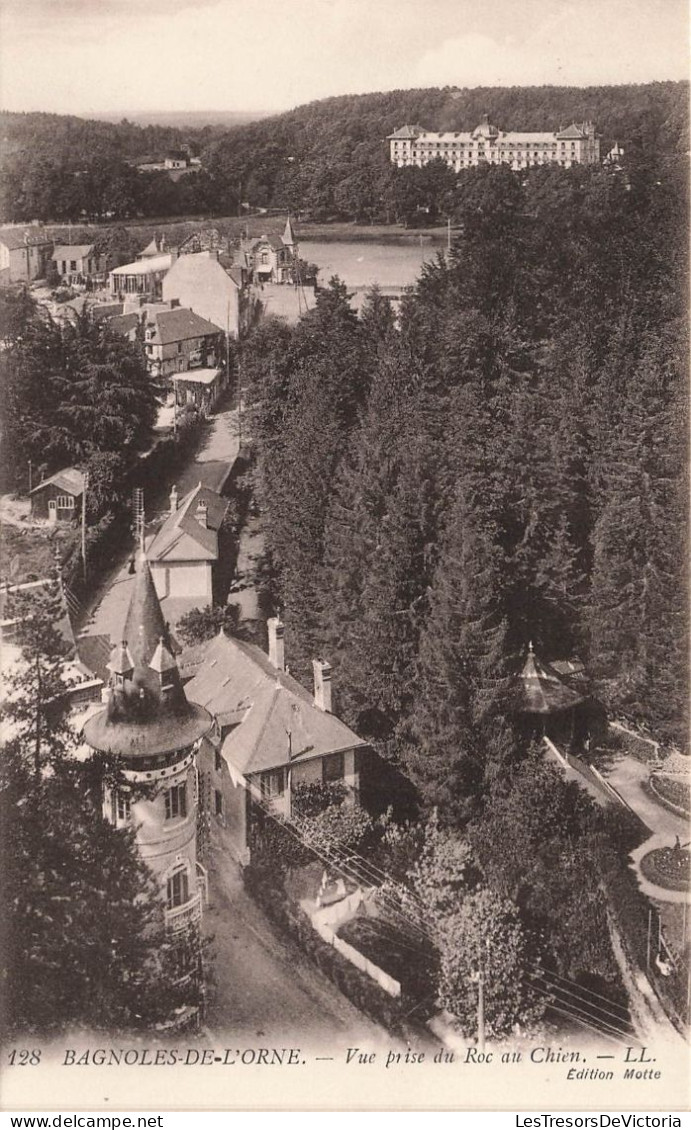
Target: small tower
[288, 237]
[155, 731]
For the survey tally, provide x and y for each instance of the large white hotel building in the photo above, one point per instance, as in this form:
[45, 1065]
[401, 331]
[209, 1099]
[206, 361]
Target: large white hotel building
[576, 145]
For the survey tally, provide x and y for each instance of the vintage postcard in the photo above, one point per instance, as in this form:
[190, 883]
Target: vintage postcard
[344, 559]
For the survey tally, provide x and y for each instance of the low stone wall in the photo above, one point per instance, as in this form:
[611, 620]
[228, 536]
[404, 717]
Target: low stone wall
[326, 921]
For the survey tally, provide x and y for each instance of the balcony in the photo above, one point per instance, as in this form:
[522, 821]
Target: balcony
[180, 918]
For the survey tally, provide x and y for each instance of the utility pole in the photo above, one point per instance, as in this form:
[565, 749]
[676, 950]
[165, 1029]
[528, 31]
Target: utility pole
[481, 1012]
[650, 924]
[30, 478]
[239, 406]
[479, 980]
[86, 487]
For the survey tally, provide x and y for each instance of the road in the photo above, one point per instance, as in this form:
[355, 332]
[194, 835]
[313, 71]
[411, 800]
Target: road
[265, 988]
[628, 776]
[210, 466]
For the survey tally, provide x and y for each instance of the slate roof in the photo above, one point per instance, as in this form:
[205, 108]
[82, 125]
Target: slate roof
[288, 236]
[407, 133]
[541, 691]
[124, 323]
[69, 479]
[180, 324]
[196, 376]
[182, 537]
[572, 132]
[94, 654]
[72, 251]
[275, 719]
[141, 719]
[15, 238]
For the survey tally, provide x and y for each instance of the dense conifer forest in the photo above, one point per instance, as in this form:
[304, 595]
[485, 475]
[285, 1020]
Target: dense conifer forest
[506, 464]
[325, 160]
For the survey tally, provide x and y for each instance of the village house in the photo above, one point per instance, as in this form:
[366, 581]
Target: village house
[79, 263]
[198, 388]
[24, 254]
[184, 556]
[576, 145]
[177, 340]
[199, 282]
[58, 498]
[270, 258]
[270, 735]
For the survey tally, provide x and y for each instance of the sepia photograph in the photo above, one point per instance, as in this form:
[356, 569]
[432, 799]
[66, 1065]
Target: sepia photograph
[344, 561]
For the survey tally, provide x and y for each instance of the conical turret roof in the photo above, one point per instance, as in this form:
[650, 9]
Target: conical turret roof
[541, 691]
[148, 713]
[288, 236]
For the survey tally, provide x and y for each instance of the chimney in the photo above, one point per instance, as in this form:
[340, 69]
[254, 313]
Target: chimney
[322, 684]
[276, 644]
[173, 499]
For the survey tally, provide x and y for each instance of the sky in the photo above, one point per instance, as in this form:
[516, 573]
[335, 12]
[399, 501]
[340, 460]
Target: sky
[105, 56]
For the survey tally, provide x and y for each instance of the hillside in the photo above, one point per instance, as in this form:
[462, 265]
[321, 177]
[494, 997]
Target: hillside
[331, 157]
[327, 159]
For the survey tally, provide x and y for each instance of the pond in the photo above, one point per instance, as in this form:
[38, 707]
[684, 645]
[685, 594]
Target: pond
[365, 262]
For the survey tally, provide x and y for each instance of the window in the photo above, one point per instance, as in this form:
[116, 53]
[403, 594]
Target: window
[65, 502]
[218, 761]
[123, 805]
[333, 768]
[179, 347]
[73, 264]
[218, 802]
[176, 802]
[273, 783]
[177, 890]
[63, 266]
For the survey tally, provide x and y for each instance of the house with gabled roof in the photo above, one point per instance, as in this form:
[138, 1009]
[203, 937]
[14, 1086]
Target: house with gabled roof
[270, 734]
[199, 281]
[271, 257]
[24, 254]
[178, 339]
[77, 262]
[58, 498]
[184, 555]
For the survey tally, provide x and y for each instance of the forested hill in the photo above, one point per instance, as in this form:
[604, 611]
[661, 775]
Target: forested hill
[327, 158]
[323, 155]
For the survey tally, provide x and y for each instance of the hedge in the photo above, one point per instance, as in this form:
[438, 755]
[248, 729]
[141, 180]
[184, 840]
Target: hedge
[360, 989]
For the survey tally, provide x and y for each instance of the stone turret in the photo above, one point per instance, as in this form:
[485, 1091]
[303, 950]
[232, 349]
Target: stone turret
[149, 724]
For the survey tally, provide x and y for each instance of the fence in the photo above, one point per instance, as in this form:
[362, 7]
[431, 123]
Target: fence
[325, 919]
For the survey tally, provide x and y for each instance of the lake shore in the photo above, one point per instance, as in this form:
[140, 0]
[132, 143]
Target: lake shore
[234, 226]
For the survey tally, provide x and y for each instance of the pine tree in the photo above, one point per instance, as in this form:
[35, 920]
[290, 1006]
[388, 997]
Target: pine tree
[84, 943]
[459, 732]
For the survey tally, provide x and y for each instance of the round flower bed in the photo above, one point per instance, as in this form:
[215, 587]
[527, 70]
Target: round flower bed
[668, 867]
[673, 790]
